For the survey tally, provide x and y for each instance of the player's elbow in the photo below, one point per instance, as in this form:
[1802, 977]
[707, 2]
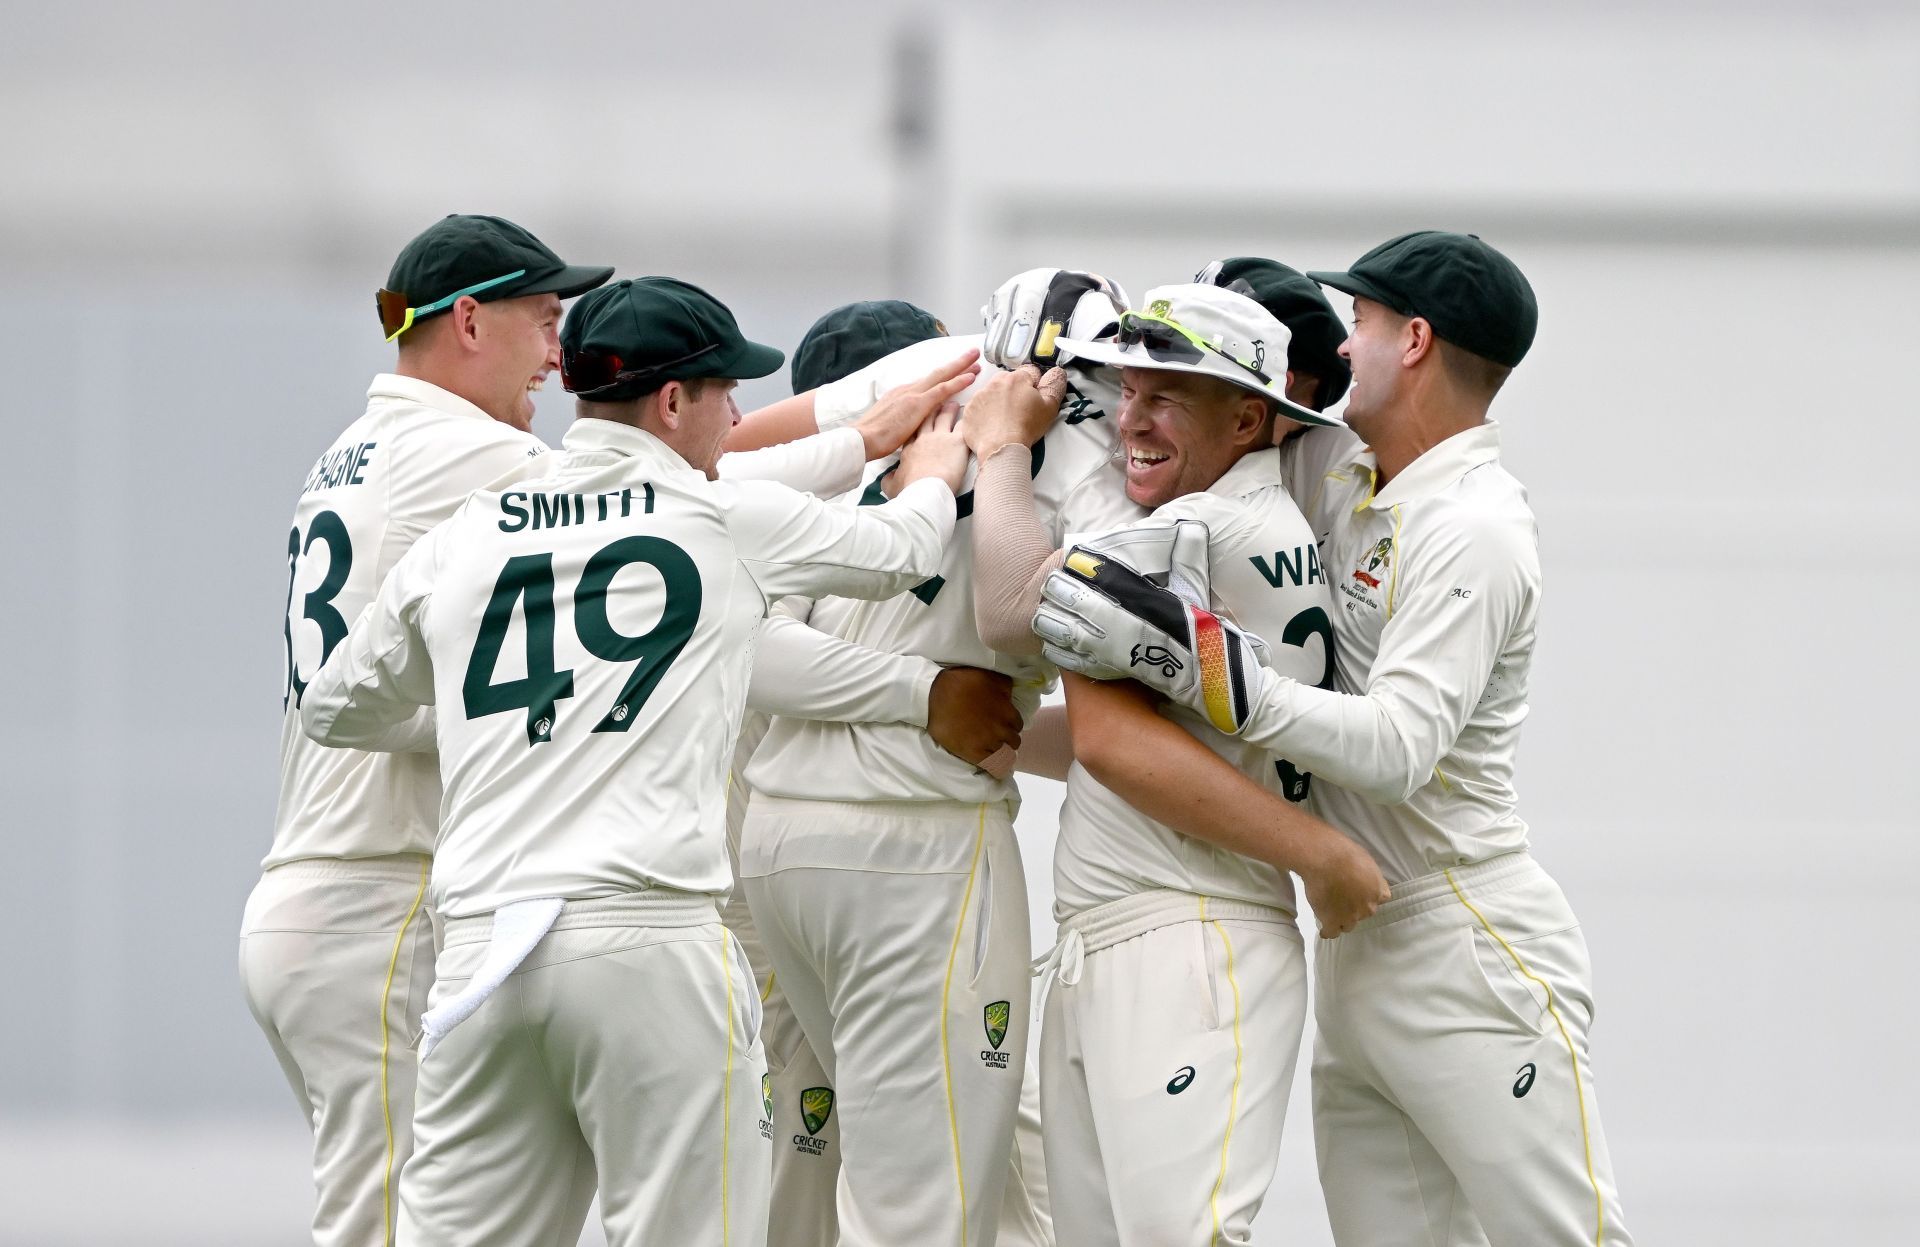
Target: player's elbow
[1401, 769]
[1006, 635]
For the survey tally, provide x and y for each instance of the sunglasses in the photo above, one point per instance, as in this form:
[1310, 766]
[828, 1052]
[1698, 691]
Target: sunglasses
[1173, 342]
[396, 317]
[590, 371]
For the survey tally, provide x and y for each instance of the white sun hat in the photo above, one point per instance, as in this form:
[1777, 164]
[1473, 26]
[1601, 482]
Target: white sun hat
[1206, 330]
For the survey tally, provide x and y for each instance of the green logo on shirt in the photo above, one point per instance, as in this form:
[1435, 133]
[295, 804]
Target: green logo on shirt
[766, 1094]
[816, 1105]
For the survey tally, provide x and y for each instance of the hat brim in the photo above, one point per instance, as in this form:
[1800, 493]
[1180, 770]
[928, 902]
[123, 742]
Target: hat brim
[1113, 355]
[749, 363]
[572, 280]
[1360, 287]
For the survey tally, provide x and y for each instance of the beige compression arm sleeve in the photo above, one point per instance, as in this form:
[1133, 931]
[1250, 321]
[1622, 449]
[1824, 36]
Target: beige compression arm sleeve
[1012, 553]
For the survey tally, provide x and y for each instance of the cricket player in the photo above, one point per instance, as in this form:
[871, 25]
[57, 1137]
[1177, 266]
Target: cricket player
[1452, 1082]
[882, 871]
[586, 640]
[1178, 986]
[336, 948]
[802, 672]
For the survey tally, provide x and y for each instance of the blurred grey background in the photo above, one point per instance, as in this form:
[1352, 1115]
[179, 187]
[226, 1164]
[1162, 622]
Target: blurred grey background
[1719, 206]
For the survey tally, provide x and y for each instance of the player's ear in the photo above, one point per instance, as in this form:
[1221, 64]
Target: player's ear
[1252, 421]
[1419, 342]
[672, 398]
[464, 318]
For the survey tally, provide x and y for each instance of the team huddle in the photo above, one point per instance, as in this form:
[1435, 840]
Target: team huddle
[646, 807]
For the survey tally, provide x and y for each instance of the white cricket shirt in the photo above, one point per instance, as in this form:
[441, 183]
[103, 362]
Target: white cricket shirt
[1436, 580]
[393, 474]
[1078, 484]
[587, 638]
[1267, 577]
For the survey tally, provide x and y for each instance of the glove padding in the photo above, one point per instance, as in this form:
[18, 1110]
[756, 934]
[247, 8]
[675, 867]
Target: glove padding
[1032, 309]
[1104, 616]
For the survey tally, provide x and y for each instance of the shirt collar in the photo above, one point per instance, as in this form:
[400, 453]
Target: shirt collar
[1438, 468]
[589, 434]
[426, 393]
[1255, 470]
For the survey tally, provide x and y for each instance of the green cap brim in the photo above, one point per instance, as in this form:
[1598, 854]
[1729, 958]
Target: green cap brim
[567, 282]
[751, 361]
[1347, 283]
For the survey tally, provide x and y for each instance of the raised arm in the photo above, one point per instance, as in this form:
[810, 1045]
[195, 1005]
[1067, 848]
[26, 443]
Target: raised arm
[1169, 775]
[1012, 552]
[884, 402]
[375, 691]
[794, 544]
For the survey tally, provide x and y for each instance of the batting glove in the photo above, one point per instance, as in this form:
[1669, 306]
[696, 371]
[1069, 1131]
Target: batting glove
[1105, 617]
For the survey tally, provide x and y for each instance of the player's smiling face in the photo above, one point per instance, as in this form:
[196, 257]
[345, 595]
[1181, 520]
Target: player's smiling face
[523, 344]
[1375, 351]
[1180, 432]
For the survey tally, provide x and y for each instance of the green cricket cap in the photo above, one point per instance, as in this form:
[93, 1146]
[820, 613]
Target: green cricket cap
[1296, 302]
[459, 251]
[1473, 296]
[635, 335]
[854, 335]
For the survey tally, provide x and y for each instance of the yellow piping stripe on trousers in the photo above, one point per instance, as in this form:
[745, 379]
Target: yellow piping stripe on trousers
[726, 1096]
[1579, 1093]
[1239, 1061]
[946, 991]
[386, 1104]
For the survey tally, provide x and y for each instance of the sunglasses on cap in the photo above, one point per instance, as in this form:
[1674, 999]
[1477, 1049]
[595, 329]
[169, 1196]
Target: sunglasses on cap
[1173, 342]
[591, 371]
[396, 317]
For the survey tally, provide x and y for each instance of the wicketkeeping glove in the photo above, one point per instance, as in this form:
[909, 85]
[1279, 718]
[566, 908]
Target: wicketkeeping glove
[1106, 617]
[1031, 309]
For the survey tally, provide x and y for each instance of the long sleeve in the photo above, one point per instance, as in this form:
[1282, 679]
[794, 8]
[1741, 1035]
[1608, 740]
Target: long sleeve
[1012, 552]
[1453, 614]
[791, 543]
[839, 403]
[824, 465]
[807, 674]
[375, 691]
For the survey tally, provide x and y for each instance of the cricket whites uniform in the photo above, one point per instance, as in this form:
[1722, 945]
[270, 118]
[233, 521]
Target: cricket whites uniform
[887, 886]
[337, 947]
[1178, 989]
[587, 640]
[798, 670]
[1451, 1078]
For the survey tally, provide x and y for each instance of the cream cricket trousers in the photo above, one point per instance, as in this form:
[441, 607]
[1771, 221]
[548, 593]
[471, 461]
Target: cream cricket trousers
[624, 1050]
[336, 959]
[908, 975]
[1171, 1029]
[806, 1162]
[1453, 1097]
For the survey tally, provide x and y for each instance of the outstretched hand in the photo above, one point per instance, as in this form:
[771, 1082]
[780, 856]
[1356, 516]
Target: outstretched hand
[896, 415]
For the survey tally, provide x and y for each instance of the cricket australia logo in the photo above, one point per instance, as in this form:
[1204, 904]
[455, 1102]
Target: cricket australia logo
[996, 1015]
[816, 1105]
[766, 1104]
[1378, 560]
[1156, 656]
